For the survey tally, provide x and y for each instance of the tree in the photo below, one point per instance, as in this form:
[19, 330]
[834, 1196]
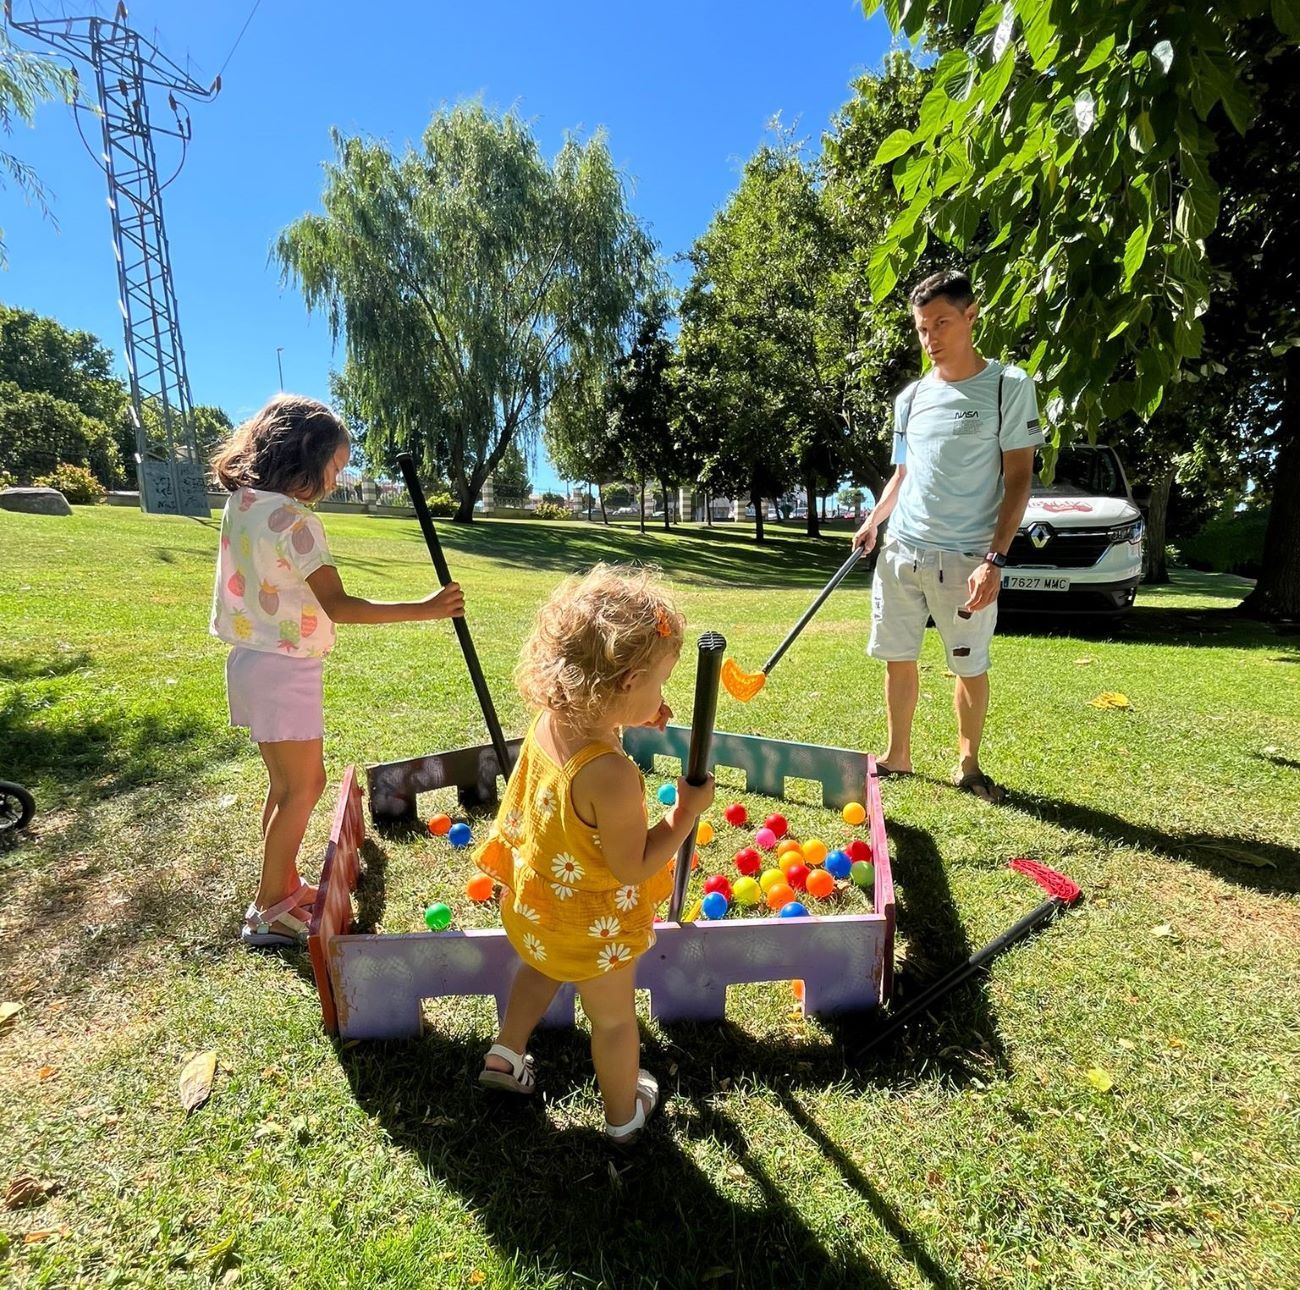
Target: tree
[1092, 162]
[580, 439]
[39, 354]
[39, 432]
[467, 277]
[26, 81]
[640, 407]
[510, 482]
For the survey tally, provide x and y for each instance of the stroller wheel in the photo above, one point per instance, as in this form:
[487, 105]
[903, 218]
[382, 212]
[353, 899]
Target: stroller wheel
[17, 806]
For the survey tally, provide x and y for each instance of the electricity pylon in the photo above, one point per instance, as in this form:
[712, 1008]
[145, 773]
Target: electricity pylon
[124, 64]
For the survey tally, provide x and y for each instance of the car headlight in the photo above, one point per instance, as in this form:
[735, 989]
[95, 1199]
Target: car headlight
[1128, 532]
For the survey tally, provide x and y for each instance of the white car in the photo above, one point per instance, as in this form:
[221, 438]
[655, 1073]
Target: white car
[1079, 548]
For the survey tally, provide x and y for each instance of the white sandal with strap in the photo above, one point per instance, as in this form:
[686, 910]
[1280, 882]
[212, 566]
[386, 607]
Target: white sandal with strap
[257, 934]
[520, 1078]
[647, 1098]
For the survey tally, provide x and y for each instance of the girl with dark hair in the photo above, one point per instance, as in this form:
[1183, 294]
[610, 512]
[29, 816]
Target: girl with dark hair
[276, 600]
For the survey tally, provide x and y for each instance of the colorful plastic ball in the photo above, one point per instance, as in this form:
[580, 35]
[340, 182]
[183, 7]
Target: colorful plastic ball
[704, 834]
[748, 861]
[765, 839]
[718, 882]
[747, 891]
[854, 813]
[439, 825]
[863, 873]
[736, 815]
[459, 835]
[820, 884]
[793, 909]
[779, 895]
[695, 860]
[715, 905]
[838, 864]
[437, 918]
[796, 989]
[787, 845]
[667, 794]
[778, 824]
[797, 876]
[858, 850]
[814, 851]
[479, 888]
[770, 878]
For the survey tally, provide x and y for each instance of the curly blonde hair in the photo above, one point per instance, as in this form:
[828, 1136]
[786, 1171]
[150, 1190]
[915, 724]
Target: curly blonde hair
[590, 633]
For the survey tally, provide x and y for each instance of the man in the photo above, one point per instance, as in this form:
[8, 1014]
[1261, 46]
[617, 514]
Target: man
[964, 440]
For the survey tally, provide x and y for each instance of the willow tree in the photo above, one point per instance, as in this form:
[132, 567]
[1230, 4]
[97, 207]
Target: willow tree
[467, 275]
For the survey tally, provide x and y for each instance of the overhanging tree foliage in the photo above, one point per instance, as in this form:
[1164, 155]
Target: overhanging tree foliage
[466, 276]
[1076, 154]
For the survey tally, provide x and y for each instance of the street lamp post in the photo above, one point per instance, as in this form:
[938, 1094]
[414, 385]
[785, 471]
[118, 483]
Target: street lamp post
[279, 366]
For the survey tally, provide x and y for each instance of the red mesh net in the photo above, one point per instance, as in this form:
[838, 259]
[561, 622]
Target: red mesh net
[1055, 884]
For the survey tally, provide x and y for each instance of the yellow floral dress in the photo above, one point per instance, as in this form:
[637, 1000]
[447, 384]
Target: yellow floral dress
[564, 911]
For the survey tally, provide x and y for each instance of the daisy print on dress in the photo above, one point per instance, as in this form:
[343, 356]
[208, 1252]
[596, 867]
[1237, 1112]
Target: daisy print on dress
[512, 824]
[528, 912]
[561, 892]
[613, 956]
[626, 897]
[544, 803]
[605, 928]
[566, 868]
[534, 947]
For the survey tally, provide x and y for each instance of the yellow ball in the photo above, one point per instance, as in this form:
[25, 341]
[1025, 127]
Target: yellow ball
[746, 891]
[815, 851]
[769, 879]
[854, 813]
[704, 834]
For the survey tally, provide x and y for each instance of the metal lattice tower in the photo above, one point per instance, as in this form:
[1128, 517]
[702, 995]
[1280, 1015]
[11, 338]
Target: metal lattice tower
[124, 65]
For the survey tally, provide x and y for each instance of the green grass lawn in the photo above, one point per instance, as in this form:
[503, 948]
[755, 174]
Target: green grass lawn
[979, 1151]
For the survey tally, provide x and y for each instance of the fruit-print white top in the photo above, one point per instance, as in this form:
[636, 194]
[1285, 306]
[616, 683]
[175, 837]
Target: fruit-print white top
[270, 545]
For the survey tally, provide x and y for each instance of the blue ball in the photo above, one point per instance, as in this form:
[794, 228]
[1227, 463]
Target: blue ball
[714, 905]
[668, 794]
[838, 864]
[459, 835]
[793, 910]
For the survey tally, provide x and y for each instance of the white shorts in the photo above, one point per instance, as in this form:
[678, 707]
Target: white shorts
[913, 584]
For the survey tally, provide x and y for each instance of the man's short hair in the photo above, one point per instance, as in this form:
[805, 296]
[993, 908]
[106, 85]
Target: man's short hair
[952, 284]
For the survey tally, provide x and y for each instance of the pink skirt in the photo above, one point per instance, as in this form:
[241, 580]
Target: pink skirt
[276, 697]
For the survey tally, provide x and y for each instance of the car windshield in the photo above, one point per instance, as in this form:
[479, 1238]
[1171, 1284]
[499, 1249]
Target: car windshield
[1082, 471]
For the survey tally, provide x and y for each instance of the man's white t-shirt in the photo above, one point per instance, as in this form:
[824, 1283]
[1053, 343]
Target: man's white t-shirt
[951, 440]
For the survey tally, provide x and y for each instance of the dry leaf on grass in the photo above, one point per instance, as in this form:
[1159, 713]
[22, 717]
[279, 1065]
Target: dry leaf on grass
[1101, 1080]
[1111, 699]
[196, 1080]
[1163, 930]
[25, 1190]
[8, 1011]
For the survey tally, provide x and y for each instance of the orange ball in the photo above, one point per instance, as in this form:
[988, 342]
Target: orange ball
[695, 859]
[439, 825]
[788, 845]
[789, 860]
[479, 888]
[704, 834]
[820, 884]
[779, 895]
[815, 851]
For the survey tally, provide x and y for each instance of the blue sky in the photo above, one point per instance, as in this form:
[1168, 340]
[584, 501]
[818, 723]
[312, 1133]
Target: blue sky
[683, 90]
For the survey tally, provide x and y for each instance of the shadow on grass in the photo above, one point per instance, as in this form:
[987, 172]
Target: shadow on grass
[29, 667]
[1266, 867]
[699, 554]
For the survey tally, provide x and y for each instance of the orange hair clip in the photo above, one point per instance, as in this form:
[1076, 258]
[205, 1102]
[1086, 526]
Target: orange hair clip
[662, 625]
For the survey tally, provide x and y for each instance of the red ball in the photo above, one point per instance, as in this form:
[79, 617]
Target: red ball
[748, 861]
[778, 824]
[797, 876]
[718, 882]
[736, 815]
[858, 850]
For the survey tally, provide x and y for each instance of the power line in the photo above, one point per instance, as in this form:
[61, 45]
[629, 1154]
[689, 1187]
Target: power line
[240, 37]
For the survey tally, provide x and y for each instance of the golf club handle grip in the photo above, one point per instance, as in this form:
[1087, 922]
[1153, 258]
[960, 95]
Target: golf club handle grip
[964, 971]
[840, 574]
[708, 670]
[406, 464]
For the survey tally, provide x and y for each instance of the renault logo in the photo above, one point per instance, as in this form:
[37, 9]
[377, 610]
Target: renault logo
[1040, 535]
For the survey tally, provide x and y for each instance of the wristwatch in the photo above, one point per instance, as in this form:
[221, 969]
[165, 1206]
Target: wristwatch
[996, 558]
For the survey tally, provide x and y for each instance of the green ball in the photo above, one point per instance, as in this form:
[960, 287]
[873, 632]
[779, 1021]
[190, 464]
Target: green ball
[437, 918]
[863, 873]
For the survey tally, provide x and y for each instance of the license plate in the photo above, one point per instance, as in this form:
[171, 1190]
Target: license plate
[1029, 582]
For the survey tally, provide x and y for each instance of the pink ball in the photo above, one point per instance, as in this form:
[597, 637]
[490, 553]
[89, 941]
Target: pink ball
[765, 839]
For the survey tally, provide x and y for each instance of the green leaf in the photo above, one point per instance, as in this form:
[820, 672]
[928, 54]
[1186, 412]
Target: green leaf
[914, 16]
[1135, 252]
[1286, 13]
[1040, 33]
[1140, 134]
[881, 271]
[1100, 53]
[1101, 1080]
[893, 147]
